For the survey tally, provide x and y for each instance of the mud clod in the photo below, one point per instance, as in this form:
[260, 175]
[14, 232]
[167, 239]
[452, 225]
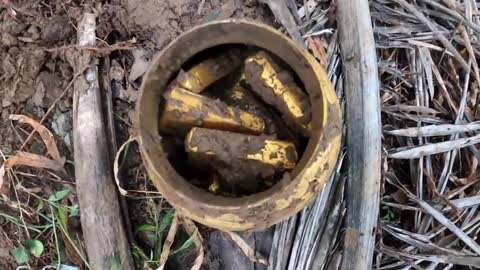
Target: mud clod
[9, 40]
[57, 29]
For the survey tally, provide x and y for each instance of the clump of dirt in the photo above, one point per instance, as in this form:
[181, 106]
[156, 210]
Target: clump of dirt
[20, 67]
[57, 29]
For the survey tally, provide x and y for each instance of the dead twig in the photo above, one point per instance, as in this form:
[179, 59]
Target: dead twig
[109, 49]
[167, 244]
[435, 130]
[191, 229]
[430, 149]
[107, 245]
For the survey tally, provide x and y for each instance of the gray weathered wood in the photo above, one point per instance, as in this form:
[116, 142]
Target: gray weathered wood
[107, 105]
[284, 16]
[326, 238]
[363, 131]
[104, 234]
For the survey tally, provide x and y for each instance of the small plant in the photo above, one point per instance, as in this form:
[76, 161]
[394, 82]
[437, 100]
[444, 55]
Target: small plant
[389, 216]
[156, 232]
[53, 221]
[33, 246]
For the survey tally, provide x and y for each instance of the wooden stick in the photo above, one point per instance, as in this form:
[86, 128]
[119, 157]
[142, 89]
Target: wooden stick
[363, 131]
[107, 106]
[104, 234]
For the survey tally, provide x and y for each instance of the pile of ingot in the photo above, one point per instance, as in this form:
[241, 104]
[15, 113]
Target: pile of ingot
[243, 118]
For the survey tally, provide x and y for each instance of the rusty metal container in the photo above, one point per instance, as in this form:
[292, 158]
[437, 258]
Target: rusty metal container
[297, 188]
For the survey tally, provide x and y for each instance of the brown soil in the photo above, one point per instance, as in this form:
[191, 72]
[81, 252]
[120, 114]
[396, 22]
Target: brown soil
[169, 18]
[30, 77]
[33, 76]
[6, 246]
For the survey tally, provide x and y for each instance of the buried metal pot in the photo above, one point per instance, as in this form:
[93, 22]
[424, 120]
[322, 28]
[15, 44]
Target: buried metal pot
[290, 194]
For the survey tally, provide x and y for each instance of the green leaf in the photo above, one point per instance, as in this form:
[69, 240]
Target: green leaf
[74, 211]
[152, 237]
[115, 263]
[139, 253]
[146, 228]
[187, 244]
[59, 195]
[62, 217]
[35, 247]
[157, 250]
[389, 216]
[68, 267]
[167, 220]
[20, 255]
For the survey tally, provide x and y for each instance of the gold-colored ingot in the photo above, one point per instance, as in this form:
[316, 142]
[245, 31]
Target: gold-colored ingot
[214, 187]
[200, 76]
[278, 88]
[241, 98]
[184, 110]
[231, 147]
[217, 187]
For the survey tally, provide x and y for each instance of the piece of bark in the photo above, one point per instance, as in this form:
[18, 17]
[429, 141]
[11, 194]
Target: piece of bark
[282, 243]
[332, 225]
[363, 131]
[103, 230]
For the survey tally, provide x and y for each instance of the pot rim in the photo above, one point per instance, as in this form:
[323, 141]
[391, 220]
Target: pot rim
[289, 195]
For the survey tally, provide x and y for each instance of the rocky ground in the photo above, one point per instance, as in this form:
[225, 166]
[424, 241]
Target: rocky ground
[34, 80]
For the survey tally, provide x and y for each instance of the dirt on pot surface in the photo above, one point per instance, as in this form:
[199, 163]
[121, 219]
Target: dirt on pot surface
[35, 37]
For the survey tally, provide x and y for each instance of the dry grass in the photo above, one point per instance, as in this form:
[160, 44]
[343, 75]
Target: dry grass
[429, 87]
[427, 51]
